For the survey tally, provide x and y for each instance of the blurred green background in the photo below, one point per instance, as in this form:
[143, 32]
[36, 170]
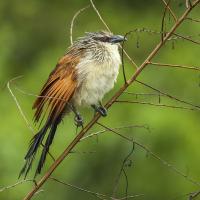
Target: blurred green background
[35, 34]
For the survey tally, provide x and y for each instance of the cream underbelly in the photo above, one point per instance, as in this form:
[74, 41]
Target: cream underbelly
[95, 85]
[96, 77]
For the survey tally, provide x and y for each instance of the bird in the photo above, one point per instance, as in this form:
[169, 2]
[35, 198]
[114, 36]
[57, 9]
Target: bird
[81, 78]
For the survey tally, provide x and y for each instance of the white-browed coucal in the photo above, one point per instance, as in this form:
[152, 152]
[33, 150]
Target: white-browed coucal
[82, 77]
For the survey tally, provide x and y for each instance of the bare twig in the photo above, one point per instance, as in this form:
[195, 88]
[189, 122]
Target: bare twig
[123, 170]
[154, 104]
[175, 66]
[194, 195]
[163, 20]
[188, 38]
[170, 10]
[104, 23]
[188, 3]
[122, 56]
[165, 163]
[72, 22]
[96, 194]
[18, 105]
[15, 184]
[117, 128]
[191, 19]
[21, 111]
[168, 95]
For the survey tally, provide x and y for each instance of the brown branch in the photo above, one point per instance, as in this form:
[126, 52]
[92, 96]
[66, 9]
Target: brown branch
[186, 38]
[175, 66]
[163, 20]
[168, 95]
[176, 37]
[170, 10]
[154, 104]
[191, 19]
[109, 103]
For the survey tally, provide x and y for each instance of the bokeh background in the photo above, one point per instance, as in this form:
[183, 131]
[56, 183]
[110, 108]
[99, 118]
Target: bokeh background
[35, 34]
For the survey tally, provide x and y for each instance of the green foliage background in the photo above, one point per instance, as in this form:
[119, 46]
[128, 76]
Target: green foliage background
[35, 34]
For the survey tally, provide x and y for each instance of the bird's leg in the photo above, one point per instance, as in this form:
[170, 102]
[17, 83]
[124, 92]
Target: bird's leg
[100, 109]
[78, 118]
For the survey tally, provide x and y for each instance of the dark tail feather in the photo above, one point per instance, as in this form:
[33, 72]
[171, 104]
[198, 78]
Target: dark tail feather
[34, 145]
[36, 142]
[46, 147]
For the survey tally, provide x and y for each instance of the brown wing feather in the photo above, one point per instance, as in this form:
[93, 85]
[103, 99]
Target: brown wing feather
[58, 89]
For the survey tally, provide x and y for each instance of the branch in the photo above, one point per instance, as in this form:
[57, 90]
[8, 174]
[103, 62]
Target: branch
[72, 22]
[109, 103]
[194, 20]
[16, 184]
[194, 195]
[96, 194]
[117, 128]
[163, 20]
[104, 23]
[170, 10]
[175, 66]
[18, 105]
[168, 95]
[165, 163]
[154, 104]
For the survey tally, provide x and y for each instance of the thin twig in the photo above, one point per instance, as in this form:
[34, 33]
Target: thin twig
[18, 105]
[187, 38]
[96, 194]
[123, 170]
[117, 128]
[194, 195]
[168, 95]
[21, 111]
[154, 104]
[122, 55]
[170, 10]
[15, 184]
[72, 22]
[191, 19]
[165, 163]
[163, 20]
[104, 23]
[175, 66]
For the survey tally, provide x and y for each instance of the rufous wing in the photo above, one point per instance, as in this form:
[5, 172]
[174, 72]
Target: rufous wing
[58, 89]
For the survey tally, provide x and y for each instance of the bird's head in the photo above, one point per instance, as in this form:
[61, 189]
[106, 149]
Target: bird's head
[104, 36]
[101, 37]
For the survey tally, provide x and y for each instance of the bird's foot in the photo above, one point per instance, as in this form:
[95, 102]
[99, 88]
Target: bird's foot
[100, 109]
[78, 120]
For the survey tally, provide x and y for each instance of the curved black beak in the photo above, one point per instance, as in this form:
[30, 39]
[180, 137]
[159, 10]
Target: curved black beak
[117, 38]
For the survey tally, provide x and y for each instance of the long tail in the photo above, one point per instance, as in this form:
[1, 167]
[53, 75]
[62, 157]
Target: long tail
[35, 143]
[52, 102]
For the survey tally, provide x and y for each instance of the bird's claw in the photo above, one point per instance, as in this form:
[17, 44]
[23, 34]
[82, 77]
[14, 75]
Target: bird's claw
[78, 120]
[102, 111]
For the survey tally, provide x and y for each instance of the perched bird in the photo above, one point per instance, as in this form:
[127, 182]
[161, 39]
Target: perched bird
[82, 77]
